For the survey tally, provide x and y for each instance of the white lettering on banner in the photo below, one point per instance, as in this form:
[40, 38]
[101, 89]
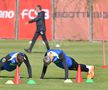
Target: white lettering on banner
[24, 13]
[47, 16]
[7, 14]
[31, 11]
[28, 13]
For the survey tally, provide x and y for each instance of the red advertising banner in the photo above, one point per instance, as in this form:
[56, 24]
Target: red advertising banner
[72, 19]
[7, 18]
[100, 20]
[27, 12]
[71, 22]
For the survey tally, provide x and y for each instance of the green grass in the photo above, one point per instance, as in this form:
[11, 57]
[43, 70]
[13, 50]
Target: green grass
[83, 52]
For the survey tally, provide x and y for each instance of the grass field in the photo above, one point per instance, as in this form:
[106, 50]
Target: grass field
[83, 52]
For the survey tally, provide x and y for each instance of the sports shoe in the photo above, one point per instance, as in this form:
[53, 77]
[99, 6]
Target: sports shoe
[90, 73]
[27, 50]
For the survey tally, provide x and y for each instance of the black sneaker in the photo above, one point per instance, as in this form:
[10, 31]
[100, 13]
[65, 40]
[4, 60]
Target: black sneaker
[27, 50]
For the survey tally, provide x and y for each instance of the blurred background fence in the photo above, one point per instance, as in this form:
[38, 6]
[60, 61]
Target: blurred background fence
[65, 19]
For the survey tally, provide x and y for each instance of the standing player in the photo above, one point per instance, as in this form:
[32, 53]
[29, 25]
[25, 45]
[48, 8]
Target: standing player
[65, 62]
[10, 61]
[41, 29]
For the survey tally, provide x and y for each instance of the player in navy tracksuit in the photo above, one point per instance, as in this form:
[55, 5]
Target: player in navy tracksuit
[41, 29]
[59, 58]
[10, 61]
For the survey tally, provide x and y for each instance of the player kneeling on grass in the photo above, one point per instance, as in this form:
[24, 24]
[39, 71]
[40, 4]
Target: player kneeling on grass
[65, 62]
[10, 62]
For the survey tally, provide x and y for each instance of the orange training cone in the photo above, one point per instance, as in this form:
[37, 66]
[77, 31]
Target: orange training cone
[79, 75]
[17, 76]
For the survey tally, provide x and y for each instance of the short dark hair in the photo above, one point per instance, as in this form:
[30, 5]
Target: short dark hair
[38, 6]
[20, 57]
[47, 60]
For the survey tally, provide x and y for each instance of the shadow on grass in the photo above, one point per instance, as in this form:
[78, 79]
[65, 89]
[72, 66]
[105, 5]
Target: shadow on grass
[10, 77]
[61, 78]
[38, 52]
[53, 78]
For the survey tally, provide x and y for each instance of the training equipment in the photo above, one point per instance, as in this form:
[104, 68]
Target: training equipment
[57, 45]
[31, 81]
[30, 42]
[89, 81]
[43, 42]
[68, 81]
[17, 76]
[79, 75]
[9, 82]
[103, 45]
[104, 51]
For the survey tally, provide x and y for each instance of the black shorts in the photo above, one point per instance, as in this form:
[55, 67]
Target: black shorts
[74, 64]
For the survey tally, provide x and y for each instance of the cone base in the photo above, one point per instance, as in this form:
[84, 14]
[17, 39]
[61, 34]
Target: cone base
[104, 66]
[89, 81]
[79, 81]
[16, 82]
[31, 82]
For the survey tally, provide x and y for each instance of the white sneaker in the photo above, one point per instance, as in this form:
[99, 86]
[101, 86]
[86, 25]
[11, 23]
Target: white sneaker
[90, 73]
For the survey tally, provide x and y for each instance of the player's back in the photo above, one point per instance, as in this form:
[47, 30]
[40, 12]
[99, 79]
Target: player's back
[11, 64]
[56, 58]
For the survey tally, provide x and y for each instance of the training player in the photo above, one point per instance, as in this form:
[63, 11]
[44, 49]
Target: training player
[65, 62]
[10, 61]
